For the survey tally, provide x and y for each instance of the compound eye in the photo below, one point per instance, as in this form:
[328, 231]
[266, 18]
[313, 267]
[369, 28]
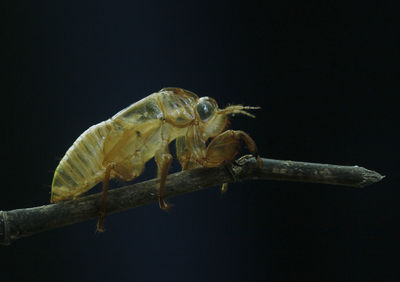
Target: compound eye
[205, 109]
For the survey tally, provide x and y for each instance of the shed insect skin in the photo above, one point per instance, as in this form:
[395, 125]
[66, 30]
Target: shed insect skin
[120, 146]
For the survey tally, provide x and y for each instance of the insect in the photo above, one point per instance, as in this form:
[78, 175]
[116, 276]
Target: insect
[120, 146]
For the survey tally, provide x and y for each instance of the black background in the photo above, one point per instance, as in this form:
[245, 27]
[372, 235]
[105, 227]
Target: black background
[324, 77]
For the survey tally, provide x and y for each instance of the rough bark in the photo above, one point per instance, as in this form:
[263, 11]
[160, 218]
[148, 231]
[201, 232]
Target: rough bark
[15, 224]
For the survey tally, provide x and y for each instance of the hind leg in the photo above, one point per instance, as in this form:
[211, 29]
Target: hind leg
[126, 171]
[104, 194]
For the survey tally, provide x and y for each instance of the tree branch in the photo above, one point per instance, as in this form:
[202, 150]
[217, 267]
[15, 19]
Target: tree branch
[20, 223]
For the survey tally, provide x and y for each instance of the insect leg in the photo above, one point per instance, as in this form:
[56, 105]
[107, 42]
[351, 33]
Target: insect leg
[228, 166]
[163, 159]
[251, 145]
[102, 209]
[225, 147]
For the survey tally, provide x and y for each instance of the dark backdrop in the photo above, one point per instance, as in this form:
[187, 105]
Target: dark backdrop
[327, 94]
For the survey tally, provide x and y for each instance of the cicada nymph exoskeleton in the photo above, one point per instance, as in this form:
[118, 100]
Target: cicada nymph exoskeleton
[120, 147]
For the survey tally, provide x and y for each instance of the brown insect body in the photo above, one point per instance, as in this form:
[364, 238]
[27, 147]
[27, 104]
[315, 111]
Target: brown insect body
[120, 146]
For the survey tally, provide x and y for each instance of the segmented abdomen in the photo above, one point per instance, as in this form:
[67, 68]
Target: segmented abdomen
[81, 167]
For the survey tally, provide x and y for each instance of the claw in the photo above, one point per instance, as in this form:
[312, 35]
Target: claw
[259, 162]
[224, 188]
[100, 225]
[164, 205]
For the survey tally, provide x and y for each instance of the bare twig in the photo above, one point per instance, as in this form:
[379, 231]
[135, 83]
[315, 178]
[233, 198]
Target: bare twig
[20, 223]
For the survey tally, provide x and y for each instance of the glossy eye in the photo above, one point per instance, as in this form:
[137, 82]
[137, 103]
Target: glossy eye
[205, 109]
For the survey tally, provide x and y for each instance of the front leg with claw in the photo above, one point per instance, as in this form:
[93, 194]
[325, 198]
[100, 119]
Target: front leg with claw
[225, 147]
